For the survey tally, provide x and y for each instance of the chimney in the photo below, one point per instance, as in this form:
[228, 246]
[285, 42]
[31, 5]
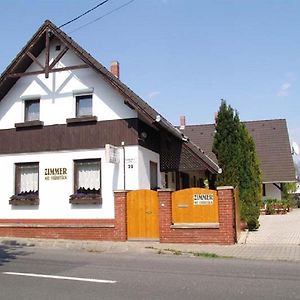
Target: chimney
[115, 68]
[182, 123]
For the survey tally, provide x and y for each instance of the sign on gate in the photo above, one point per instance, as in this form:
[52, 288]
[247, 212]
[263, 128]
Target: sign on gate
[203, 199]
[195, 205]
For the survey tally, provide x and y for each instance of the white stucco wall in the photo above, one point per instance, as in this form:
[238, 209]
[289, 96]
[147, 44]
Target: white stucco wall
[272, 191]
[56, 94]
[57, 103]
[144, 158]
[54, 194]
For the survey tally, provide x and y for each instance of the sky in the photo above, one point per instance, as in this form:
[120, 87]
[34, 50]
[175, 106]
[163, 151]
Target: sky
[183, 56]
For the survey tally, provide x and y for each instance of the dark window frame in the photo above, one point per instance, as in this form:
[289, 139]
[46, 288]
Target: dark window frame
[24, 199]
[27, 103]
[78, 98]
[18, 167]
[263, 190]
[153, 183]
[84, 197]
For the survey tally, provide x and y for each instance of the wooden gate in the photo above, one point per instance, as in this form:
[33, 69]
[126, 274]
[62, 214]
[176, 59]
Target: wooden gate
[142, 215]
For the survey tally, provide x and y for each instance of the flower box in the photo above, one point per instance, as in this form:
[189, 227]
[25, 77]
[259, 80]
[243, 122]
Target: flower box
[24, 200]
[85, 199]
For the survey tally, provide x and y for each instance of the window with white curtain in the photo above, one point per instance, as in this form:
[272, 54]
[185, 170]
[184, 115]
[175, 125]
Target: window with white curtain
[87, 176]
[27, 178]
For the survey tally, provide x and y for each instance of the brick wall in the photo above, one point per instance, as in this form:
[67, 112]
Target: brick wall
[116, 229]
[225, 234]
[83, 229]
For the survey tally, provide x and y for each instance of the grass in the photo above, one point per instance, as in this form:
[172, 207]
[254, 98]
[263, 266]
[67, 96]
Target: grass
[195, 254]
[206, 254]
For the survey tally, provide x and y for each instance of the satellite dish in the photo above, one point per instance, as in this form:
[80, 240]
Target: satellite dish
[295, 149]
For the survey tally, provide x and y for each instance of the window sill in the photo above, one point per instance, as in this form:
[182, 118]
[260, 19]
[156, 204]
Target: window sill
[85, 199]
[29, 124]
[82, 120]
[24, 200]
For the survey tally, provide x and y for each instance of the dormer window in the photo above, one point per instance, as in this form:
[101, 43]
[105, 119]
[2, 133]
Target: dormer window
[84, 106]
[32, 110]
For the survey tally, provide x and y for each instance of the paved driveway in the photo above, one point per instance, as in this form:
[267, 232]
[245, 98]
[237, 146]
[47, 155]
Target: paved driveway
[277, 229]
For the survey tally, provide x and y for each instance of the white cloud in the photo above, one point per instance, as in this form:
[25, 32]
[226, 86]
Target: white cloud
[153, 94]
[284, 89]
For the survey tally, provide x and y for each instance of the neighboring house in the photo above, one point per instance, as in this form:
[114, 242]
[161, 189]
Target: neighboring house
[272, 145]
[59, 108]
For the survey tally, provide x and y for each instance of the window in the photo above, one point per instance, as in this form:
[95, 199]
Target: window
[87, 182]
[27, 178]
[26, 184]
[84, 106]
[264, 190]
[32, 110]
[153, 176]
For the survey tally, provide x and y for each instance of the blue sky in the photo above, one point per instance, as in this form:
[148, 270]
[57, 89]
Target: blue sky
[183, 56]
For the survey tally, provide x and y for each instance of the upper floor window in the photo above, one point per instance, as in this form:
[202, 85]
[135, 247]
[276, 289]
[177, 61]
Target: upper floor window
[32, 110]
[84, 106]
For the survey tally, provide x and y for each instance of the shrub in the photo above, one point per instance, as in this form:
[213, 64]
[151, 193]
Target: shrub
[253, 223]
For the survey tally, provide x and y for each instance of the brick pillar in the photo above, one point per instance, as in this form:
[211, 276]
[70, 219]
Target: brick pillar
[226, 214]
[120, 233]
[165, 213]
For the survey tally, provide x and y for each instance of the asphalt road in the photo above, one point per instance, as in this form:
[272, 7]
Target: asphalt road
[34, 273]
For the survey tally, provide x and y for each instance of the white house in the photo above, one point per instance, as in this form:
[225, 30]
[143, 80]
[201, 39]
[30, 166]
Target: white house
[72, 133]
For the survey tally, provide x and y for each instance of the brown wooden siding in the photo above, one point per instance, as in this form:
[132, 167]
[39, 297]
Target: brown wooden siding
[69, 137]
[171, 148]
[152, 141]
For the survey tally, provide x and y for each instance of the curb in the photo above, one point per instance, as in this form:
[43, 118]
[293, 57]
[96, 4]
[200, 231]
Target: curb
[240, 251]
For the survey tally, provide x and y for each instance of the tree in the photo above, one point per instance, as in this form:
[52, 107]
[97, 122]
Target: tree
[236, 154]
[225, 146]
[250, 182]
[288, 193]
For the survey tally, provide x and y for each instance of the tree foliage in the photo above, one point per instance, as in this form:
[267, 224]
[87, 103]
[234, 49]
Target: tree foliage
[236, 154]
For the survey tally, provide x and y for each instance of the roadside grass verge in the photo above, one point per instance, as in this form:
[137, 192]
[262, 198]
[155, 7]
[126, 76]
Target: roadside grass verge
[190, 253]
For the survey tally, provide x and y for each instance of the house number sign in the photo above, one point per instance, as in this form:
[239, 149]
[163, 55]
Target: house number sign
[203, 199]
[55, 173]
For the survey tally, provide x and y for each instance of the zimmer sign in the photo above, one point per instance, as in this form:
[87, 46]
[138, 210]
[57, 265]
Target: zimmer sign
[203, 199]
[55, 173]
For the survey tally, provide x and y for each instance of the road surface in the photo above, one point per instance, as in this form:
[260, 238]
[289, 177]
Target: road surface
[29, 273]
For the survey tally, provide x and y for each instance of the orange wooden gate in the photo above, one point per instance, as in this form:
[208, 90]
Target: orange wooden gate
[142, 215]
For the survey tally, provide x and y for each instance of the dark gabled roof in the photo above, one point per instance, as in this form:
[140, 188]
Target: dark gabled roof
[272, 145]
[37, 43]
